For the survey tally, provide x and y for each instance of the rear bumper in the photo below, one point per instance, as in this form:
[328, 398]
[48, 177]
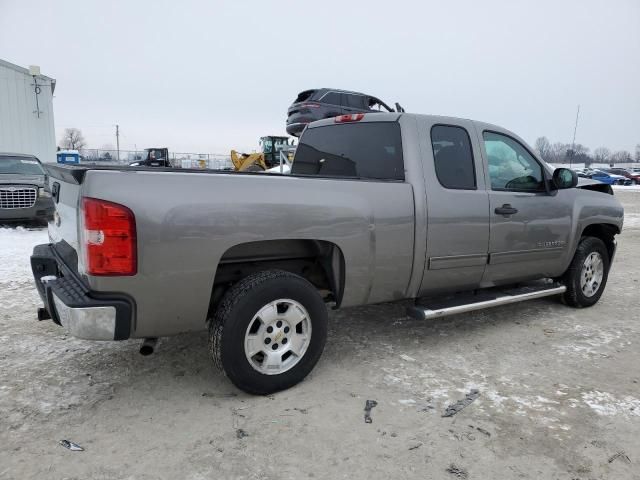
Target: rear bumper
[71, 304]
[42, 210]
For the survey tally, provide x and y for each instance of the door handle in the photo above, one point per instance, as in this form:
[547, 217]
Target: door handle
[506, 209]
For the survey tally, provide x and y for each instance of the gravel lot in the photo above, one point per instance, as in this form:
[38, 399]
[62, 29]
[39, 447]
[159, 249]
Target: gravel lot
[559, 394]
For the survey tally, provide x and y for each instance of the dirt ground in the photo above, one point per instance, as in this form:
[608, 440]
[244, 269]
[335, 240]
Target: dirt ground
[559, 395]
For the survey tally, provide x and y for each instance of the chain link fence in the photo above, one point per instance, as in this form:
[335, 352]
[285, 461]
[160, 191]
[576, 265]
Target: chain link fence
[205, 161]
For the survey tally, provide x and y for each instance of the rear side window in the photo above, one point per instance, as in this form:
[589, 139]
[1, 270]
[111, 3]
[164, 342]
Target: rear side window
[332, 98]
[453, 157]
[355, 101]
[306, 95]
[364, 150]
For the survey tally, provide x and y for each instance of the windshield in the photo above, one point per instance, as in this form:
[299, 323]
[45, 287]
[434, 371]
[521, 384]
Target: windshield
[20, 165]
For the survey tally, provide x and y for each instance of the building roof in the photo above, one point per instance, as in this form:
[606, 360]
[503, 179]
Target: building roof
[18, 68]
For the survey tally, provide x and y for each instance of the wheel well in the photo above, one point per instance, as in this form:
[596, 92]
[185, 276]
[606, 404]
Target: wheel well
[604, 232]
[318, 261]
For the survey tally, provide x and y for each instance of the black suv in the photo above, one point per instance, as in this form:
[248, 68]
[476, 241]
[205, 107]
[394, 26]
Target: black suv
[312, 105]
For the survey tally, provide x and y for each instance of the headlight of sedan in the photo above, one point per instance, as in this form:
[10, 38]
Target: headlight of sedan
[42, 193]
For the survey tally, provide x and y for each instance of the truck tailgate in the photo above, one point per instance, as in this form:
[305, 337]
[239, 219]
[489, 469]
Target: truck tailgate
[65, 183]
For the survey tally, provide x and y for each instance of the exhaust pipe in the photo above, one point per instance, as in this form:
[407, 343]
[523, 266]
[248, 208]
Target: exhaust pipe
[148, 346]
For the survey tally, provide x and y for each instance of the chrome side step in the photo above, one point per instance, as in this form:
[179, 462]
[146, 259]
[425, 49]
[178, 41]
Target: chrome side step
[461, 303]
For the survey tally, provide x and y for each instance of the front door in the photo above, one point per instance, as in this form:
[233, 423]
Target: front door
[529, 228]
[457, 207]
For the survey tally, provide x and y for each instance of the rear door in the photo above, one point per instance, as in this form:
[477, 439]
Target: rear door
[457, 206]
[530, 227]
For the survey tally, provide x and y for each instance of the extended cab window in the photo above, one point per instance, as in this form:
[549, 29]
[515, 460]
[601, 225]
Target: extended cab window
[453, 157]
[365, 150]
[511, 166]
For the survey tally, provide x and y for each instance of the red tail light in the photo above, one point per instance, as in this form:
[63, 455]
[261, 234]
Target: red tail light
[109, 238]
[355, 117]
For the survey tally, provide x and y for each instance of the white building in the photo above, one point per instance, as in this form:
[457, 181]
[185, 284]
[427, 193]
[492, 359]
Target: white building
[26, 112]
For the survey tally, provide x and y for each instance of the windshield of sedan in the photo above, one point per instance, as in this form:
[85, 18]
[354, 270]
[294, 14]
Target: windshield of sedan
[20, 166]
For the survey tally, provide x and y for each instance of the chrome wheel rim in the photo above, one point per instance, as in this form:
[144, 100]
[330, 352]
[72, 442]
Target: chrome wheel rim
[277, 337]
[592, 274]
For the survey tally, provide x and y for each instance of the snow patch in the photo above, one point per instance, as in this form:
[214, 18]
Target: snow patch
[627, 188]
[631, 220]
[407, 358]
[605, 404]
[592, 342]
[16, 246]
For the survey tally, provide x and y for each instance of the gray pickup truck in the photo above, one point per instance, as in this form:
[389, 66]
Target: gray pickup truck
[454, 213]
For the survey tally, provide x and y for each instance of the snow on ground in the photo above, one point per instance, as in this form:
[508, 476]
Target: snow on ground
[627, 188]
[16, 245]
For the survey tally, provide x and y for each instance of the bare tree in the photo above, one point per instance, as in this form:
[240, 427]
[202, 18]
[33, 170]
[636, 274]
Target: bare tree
[72, 139]
[543, 147]
[558, 153]
[621, 156]
[638, 153]
[601, 155]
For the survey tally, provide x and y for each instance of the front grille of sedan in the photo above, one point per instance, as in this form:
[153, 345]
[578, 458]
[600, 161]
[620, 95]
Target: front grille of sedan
[17, 197]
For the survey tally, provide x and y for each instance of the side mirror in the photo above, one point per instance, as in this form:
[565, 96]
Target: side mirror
[564, 178]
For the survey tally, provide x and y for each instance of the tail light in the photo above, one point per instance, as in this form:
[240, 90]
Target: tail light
[109, 238]
[311, 105]
[354, 117]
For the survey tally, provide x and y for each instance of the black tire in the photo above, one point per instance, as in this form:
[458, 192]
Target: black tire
[238, 307]
[574, 295]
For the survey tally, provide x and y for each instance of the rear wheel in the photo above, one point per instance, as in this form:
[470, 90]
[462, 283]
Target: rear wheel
[587, 275]
[269, 331]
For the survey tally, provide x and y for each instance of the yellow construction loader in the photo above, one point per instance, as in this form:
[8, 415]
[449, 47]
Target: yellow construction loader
[268, 157]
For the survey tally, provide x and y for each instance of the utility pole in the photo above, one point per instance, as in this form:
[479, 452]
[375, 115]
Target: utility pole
[573, 142]
[118, 141]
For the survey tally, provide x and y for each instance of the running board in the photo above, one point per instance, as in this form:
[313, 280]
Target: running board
[493, 297]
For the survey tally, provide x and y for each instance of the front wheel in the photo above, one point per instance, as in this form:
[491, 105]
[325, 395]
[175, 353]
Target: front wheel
[268, 332]
[587, 275]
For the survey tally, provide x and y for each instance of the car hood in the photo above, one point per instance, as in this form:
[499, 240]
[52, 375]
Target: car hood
[19, 179]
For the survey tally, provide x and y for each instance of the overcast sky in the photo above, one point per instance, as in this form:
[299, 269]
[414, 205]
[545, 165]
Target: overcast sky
[206, 76]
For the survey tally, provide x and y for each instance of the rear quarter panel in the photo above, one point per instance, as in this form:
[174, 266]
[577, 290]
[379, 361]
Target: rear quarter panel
[187, 221]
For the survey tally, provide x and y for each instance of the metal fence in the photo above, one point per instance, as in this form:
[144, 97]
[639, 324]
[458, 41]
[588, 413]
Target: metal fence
[210, 161]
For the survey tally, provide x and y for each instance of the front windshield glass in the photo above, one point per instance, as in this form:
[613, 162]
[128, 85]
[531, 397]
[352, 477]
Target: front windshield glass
[20, 165]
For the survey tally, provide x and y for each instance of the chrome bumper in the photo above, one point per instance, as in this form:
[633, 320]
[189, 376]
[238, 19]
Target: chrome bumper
[90, 323]
[70, 302]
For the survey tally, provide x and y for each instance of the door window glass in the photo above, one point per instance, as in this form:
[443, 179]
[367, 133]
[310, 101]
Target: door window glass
[511, 166]
[453, 157]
